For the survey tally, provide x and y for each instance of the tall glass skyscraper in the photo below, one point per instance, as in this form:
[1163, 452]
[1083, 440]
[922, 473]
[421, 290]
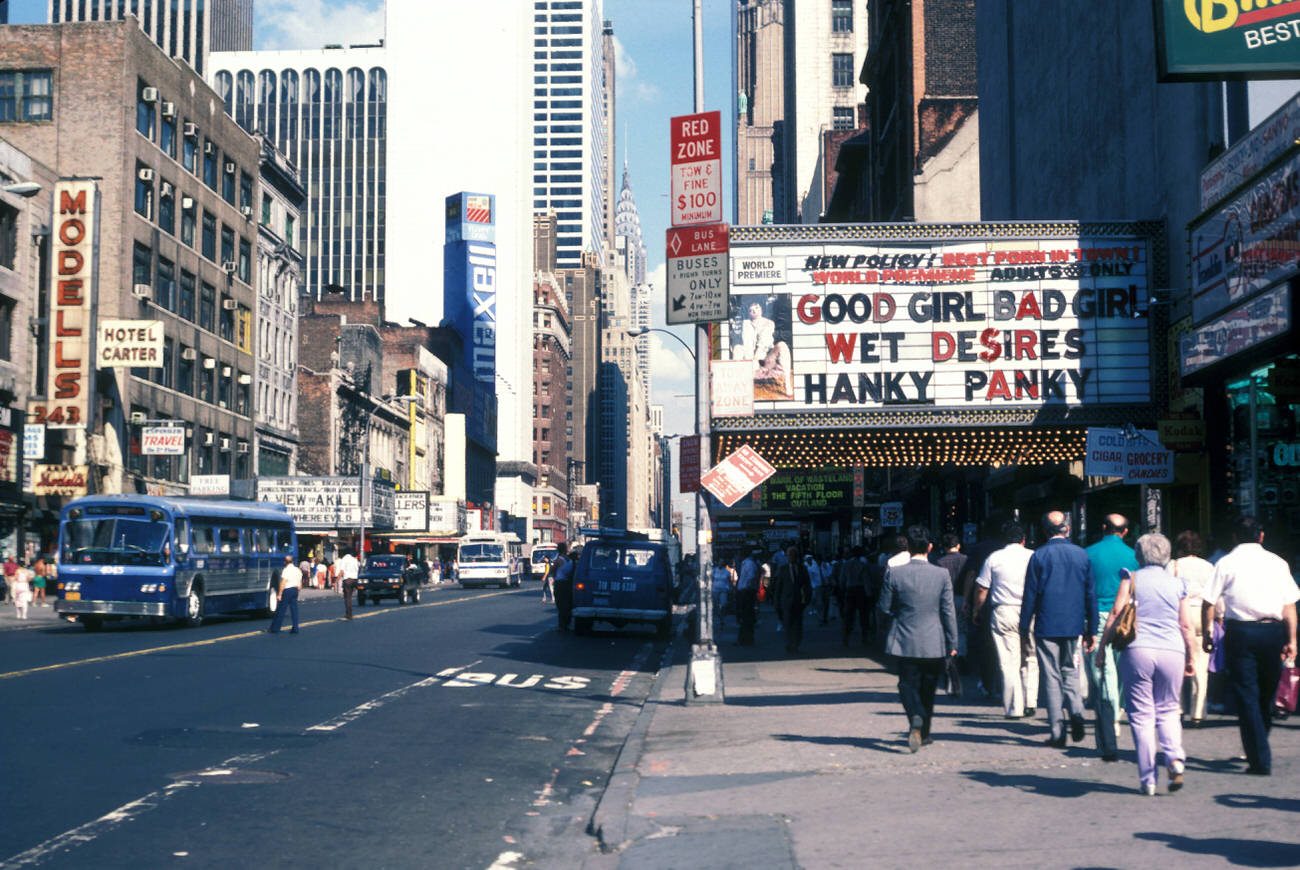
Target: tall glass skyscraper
[569, 150]
[327, 110]
[187, 29]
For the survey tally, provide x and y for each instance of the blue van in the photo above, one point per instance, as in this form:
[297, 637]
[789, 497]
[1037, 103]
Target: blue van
[623, 578]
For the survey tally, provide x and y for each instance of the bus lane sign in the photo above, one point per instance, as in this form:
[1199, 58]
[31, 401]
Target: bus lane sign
[697, 274]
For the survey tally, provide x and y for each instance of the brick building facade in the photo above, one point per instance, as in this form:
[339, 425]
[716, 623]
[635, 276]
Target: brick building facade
[175, 179]
[923, 108]
[552, 360]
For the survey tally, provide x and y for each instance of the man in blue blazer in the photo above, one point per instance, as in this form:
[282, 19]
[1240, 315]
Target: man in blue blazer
[922, 633]
[1061, 604]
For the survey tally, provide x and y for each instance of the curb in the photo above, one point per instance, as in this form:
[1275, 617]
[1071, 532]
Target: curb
[610, 820]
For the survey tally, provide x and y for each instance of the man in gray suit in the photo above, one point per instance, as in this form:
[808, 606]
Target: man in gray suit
[923, 632]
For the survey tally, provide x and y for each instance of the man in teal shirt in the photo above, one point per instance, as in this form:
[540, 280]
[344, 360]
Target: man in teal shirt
[1110, 557]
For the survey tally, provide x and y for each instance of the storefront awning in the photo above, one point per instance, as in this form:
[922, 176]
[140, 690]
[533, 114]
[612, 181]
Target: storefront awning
[408, 538]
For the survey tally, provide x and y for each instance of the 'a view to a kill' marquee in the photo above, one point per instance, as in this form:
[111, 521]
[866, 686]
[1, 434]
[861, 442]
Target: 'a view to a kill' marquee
[961, 343]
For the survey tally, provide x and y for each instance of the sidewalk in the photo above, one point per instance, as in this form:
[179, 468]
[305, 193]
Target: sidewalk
[37, 616]
[806, 765]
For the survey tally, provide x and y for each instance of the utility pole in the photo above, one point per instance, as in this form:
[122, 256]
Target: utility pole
[704, 679]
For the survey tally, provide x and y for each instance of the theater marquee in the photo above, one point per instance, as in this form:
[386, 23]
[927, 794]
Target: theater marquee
[943, 317]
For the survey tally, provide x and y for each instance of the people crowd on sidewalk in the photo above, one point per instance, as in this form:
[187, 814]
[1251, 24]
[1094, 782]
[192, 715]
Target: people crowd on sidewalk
[25, 582]
[1052, 626]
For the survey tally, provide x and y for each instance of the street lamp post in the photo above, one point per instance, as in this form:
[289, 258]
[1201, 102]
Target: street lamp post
[25, 189]
[704, 656]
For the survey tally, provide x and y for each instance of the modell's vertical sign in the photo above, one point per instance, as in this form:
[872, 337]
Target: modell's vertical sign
[67, 390]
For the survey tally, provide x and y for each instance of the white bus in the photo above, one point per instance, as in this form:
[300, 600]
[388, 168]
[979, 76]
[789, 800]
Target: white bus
[540, 559]
[489, 559]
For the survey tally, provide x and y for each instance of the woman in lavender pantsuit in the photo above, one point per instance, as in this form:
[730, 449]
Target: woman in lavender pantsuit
[1153, 666]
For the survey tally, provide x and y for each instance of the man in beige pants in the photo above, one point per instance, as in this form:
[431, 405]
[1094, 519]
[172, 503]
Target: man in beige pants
[1002, 579]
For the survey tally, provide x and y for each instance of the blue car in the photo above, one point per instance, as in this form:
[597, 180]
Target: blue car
[623, 579]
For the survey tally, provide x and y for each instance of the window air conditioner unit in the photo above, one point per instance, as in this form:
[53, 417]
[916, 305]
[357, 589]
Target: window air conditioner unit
[168, 109]
[187, 202]
[191, 130]
[241, 447]
[209, 363]
[229, 304]
[229, 267]
[149, 95]
[209, 147]
[167, 189]
[245, 379]
[208, 439]
[225, 445]
[230, 168]
[140, 291]
[144, 174]
[137, 418]
[225, 371]
[189, 354]
[246, 211]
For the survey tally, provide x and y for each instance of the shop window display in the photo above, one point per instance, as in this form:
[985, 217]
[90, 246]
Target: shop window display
[1264, 451]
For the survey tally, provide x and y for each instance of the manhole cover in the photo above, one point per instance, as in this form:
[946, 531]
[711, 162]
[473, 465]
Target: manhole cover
[230, 776]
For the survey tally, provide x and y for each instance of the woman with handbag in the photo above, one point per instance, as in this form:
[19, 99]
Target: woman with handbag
[1156, 653]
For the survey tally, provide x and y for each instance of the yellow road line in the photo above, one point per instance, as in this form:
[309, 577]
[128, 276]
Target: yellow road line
[224, 638]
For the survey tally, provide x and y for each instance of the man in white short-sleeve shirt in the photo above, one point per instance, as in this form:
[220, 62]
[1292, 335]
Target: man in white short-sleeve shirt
[1259, 631]
[1002, 580]
[290, 583]
[349, 570]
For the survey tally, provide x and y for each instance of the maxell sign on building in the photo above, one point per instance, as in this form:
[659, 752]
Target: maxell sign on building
[470, 278]
[72, 282]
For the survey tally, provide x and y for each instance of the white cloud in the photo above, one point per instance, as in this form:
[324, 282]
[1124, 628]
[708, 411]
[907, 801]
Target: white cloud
[647, 93]
[306, 24]
[671, 364]
[624, 66]
[626, 78]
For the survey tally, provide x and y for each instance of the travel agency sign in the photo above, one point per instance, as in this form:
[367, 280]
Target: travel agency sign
[1019, 316]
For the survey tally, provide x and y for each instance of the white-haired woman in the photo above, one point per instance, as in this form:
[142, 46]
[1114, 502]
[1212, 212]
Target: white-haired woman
[1154, 664]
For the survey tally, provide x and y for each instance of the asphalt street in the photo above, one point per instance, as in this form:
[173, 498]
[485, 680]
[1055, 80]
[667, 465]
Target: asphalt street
[464, 731]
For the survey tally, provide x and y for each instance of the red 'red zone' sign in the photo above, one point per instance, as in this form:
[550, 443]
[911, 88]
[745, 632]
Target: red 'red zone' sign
[696, 158]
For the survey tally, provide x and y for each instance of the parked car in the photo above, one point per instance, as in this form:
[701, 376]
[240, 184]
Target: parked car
[622, 579]
[387, 577]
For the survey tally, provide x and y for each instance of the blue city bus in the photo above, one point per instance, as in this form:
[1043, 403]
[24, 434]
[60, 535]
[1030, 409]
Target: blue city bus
[170, 559]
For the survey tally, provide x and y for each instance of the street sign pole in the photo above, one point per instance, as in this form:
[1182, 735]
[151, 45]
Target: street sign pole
[704, 678]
